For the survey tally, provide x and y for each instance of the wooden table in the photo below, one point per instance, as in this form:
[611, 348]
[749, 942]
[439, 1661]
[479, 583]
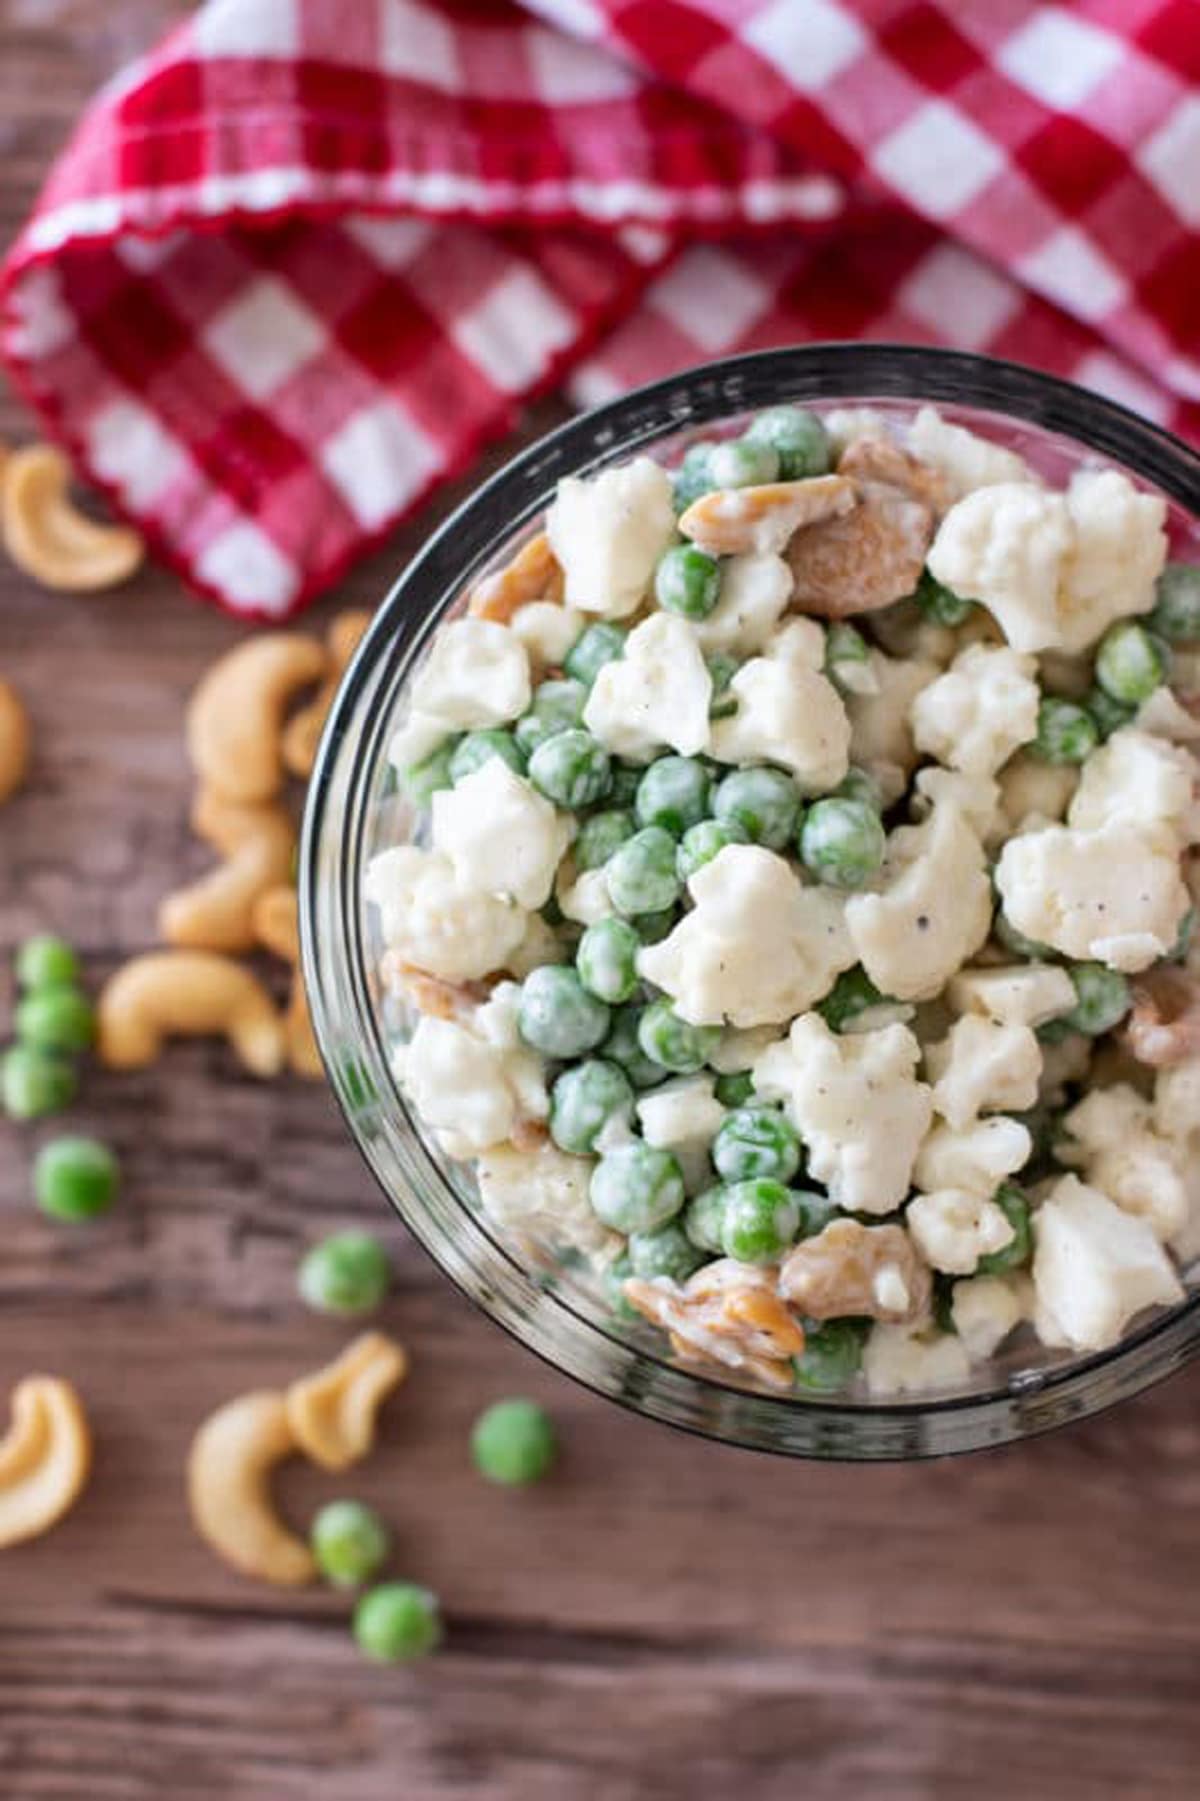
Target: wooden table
[663, 1619]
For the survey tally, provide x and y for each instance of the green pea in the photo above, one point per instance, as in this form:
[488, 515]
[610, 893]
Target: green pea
[599, 837]
[765, 803]
[571, 769]
[692, 478]
[607, 960]
[759, 1222]
[1066, 733]
[687, 581]
[514, 1443]
[671, 1041]
[667, 1252]
[859, 784]
[815, 1210]
[721, 669]
[1106, 714]
[636, 1188]
[1017, 1252]
[583, 1100]
[557, 706]
[742, 463]
[1130, 663]
[941, 605]
[349, 1542]
[1028, 948]
[56, 1019]
[832, 1354]
[615, 1277]
[704, 1219]
[734, 1090]
[397, 1622]
[46, 962]
[845, 647]
[1183, 938]
[842, 842]
[853, 993]
[622, 1046]
[641, 872]
[425, 779]
[1102, 999]
[478, 748]
[651, 928]
[702, 842]
[35, 1082]
[1176, 614]
[797, 437]
[347, 1274]
[626, 780]
[595, 646]
[756, 1141]
[557, 1015]
[75, 1179]
[673, 794]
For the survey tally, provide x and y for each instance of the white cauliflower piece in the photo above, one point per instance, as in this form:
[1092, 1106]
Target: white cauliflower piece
[657, 694]
[754, 592]
[975, 1159]
[415, 740]
[476, 675]
[976, 797]
[1177, 1119]
[434, 922]
[1136, 779]
[546, 630]
[965, 460]
[1018, 994]
[501, 835]
[880, 734]
[845, 425]
[1034, 792]
[539, 944]
[1166, 716]
[1094, 1268]
[683, 1116]
[1119, 548]
[757, 948]
[585, 898]
[1121, 1154]
[788, 713]
[934, 911]
[543, 1195]
[856, 1103]
[738, 1046]
[608, 532]
[976, 715]
[953, 1229]
[1114, 895]
[985, 1310]
[900, 1360]
[470, 1090]
[983, 1067]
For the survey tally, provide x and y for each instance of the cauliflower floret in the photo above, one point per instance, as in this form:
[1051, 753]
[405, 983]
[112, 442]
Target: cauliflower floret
[585, 898]
[539, 944]
[754, 592]
[1112, 896]
[1094, 1268]
[845, 425]
[1136, 779]
[900, 1360]
[856, 1103]
[983, 1067]
[435, 923]
[476, 674]
[757, 948]
[976, 797]
[975, 1160]
[1119, 548]
[546, 630]
[934, 912]
[985, 1310]
[1034, 792]
[415, 740]
[683, 1116]
[657, 694]
[976, 715]
[1166, 716]
[738, 1046]
[788, 713]
[880, 735]
[1121, 1154]
[965, 460]
[608, 532]
[1019, 994]
[501, 835]
[953, 1229]
[470, 1089]
[1177, 1118]
[543, 1195]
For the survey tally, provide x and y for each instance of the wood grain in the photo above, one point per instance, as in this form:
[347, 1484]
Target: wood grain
[663, 1619]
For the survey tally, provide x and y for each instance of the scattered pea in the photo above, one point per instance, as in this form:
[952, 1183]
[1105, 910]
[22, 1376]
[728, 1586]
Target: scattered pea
[557, 1015]
[759, 1222]
[853, 993]
[673, 794]
[1028, 948]
[704, 1219]
[46, 962]
[1106, 714]
[349, 1542]
[582, 1102]
[941, 605]
[842, 842]
[1176, 612]
[477, 748]
[832, 1354]
[671, 1041]
[425, 779]
[622, 1046]
[1066, 733]
[742, 463]
[636, 1188]
[595, 646]
[599, 837]
[815, 1209]
[571, 769]
[687, 581]
[692, 477]
[557, 706]
[56, 1019]
[606, 960]
[641, 873]
[666, 1252]
[1130, 663]
[764, 803]
[1183, 938]
[1017, 1252]
[1102, 999]
[756, 1141]
[347, 1274]
[702, 842]
[626, 779]
[652, 927]
[75, 1179]
[734, 1090]
[797, 437]
[397, 1622]
[721, 669]
[615, 1277]
[859, 784]
[845, 648]
[514, 1443]
[34, 1082]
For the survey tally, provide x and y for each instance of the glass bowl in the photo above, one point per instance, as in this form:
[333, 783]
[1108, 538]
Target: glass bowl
[354, 809]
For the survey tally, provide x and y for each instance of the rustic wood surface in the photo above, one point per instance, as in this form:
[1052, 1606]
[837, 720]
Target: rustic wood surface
[663, 1619]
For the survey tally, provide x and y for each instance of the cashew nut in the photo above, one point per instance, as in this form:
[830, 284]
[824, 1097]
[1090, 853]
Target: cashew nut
[228, 1481]
[217, 912]
[332, 1413]
[277, 929]
[302, 734]
[14, 741]
[46, 535]
[235, 716]
[533, 574]
[191, 994]
[44, 1458]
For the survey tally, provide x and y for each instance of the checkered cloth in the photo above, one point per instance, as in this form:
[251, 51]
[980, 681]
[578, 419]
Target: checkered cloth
[298, 264]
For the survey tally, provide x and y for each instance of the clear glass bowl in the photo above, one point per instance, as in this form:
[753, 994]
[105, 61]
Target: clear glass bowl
[354, 810]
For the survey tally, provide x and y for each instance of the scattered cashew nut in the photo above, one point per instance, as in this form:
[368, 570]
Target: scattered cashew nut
[727, 1313]
[277, 929]
[865, 560]
[874, 1271]
[302, 734]
[533, 574]
[46, 535]
[190, 994]
[875, 459]
[217, 912]
[15, 738]
[1164, 1027]
[763, 519]
[228, 1481]
[45, 1457]
[235, 715]
[332, 1413]
[431, 995]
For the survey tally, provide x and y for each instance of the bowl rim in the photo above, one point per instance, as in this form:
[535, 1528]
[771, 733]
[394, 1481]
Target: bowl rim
[814, 373]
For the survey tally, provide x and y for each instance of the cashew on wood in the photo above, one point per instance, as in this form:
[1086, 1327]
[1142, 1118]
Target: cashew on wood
[332, 1413]
[49, 538]
[187, 994]
[217, 912]
[44, 1458]
[277, 929]
[302, 734]
[15, 740]
[235, 716]
[229, 1473]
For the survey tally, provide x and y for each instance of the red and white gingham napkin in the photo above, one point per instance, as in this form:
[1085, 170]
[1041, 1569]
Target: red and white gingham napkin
[298, 264]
